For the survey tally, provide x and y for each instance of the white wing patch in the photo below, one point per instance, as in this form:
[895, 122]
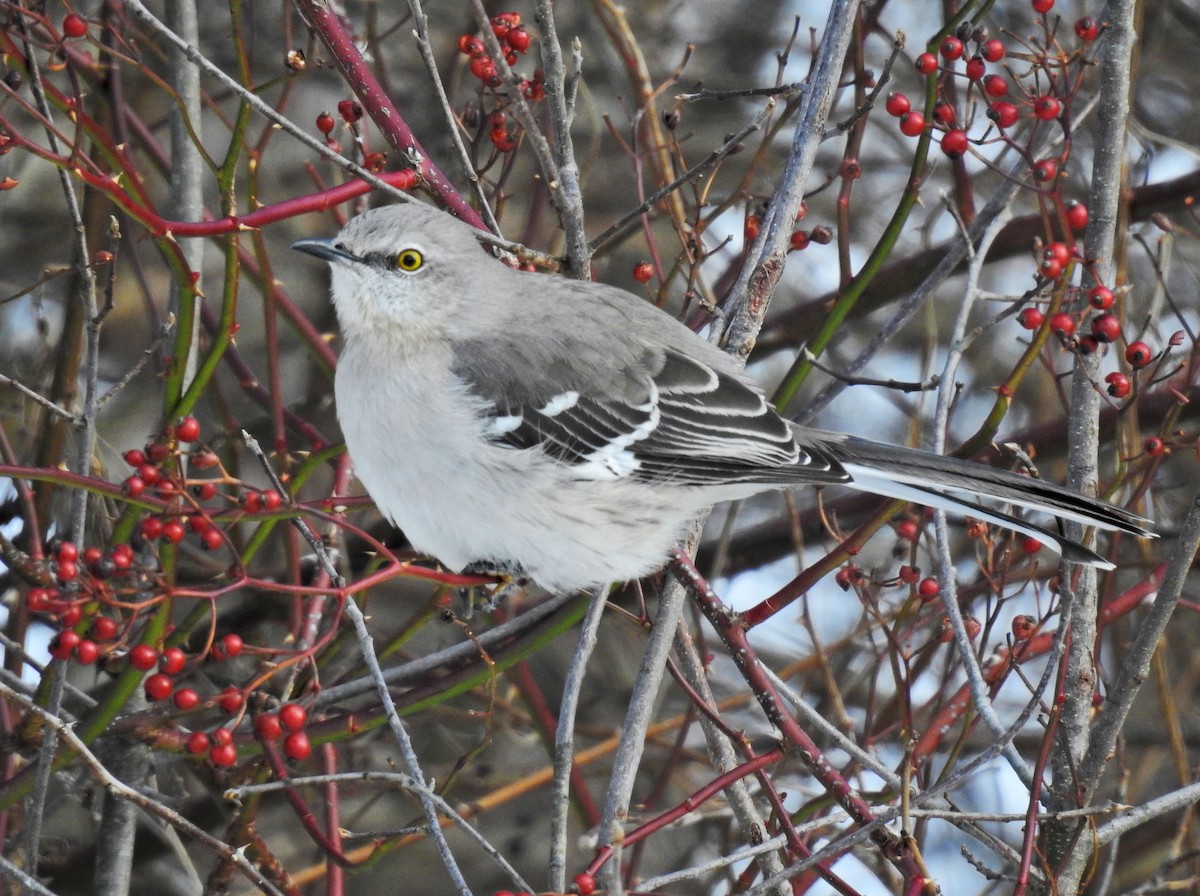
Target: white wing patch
[614, 460]
[564, 401]
[502, 426]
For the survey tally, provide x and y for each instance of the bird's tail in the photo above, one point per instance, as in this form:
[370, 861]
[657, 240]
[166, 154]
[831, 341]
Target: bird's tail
[952, 484]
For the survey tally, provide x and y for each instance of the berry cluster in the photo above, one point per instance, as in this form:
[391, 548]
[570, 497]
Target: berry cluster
[514, 42]
[800, 239]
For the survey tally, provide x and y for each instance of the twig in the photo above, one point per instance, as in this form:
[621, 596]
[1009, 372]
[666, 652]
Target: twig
[252, 100]
[925, 385]
[788, 91]
[367, 651]
[65, 733]
[452, 125]
[564, 740]
[751, 293]
[712, 159]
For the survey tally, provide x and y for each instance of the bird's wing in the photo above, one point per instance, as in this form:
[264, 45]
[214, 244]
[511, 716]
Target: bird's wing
[655, 414]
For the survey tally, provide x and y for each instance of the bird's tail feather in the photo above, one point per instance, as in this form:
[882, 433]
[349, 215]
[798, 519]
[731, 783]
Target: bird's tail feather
[950, 483]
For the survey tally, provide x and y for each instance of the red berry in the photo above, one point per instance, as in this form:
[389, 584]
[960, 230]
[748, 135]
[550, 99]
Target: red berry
[185, 699]
[908, 574]
[86, 651]
[1005, 114]
[1046, 108]
[74, 26]
[897, 104]
[157, 452]
[1087, 29]
[1058, 251]
[223, 755]
[1031, 318]
[103, 628]
[148, 473]
[1118, 385]
[1062, 324]
[943, 112]
[158, 687]
[912, 124]
[1153, 446]
[992, 50]
[231, 700]
[39, 600]
[1030, 545]
[976, 68]
[152, 528]
[293, 716]
[518, 39]
[173, 531]
[469, 45]
[204, 491]
[1045, 170]
[68, 570]
[643, 271]
[1022, 627]
[951, 48]
[212, 539]
[585, 884]
[67, 551]
[143, 657]
[973, 627]
[197, 743]
[1077, 216]
[232, 644]
[62, 644]
[483, 68]
[297, 746]
[1042, 6]
[350, 111]
[1050, 269]
[267, 726]
[71, 616]
[750, 228]
[1138, 354]
[908, 530]
[995, 86]
[954, 143]
[926, 63]
[205, 460]
[1101, 298]
[1087, 344]
[503, 140]
[798, 241]
[172, 661]
[252, 501]
[222, 736]
[122, 555]
[325, 123]
[1106, 328]
[929, 588]
[134, 457]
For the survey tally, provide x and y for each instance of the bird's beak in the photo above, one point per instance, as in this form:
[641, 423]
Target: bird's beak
[324, 249]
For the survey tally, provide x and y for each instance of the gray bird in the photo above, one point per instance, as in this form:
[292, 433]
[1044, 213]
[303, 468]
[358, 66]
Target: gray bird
[570, 431]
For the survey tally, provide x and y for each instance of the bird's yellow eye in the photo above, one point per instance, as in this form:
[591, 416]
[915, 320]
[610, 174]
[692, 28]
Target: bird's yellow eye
[409, 260]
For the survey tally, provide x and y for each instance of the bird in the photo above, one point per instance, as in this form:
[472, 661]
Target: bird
[568, 433]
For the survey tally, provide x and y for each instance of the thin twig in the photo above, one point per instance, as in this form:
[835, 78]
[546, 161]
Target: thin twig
[65, 732]
[730, 145]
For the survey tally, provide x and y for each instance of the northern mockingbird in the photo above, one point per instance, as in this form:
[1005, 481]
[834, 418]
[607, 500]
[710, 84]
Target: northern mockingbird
[570, 431]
